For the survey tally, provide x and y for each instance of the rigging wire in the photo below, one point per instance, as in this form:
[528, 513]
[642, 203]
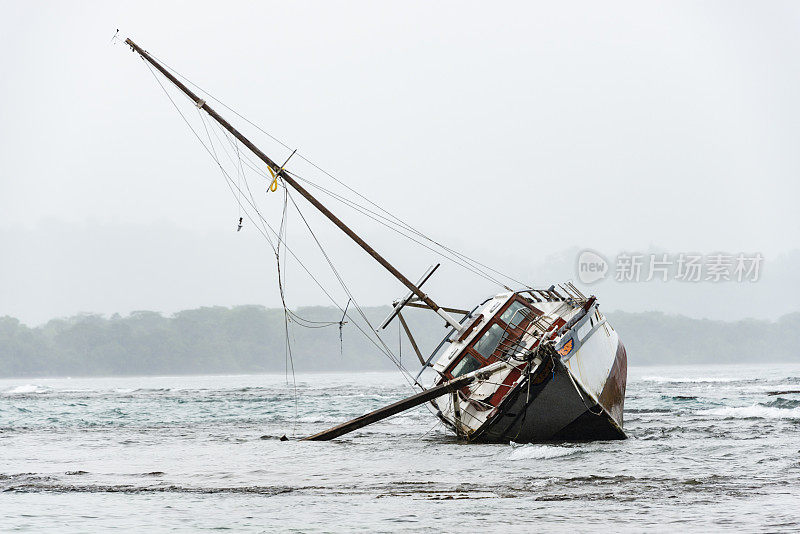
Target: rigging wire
[380, 219]
[288, 314]
[291, 316]
[377, 218]
[236, 187]
[338, 276]
[388, 223]
[400, 221]
[238, 163]
[399, 342]
[341, 326]
[281, 241]
[289, 361]
[231, 185]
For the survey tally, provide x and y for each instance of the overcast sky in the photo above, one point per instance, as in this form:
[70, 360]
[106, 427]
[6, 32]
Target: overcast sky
[512, 131]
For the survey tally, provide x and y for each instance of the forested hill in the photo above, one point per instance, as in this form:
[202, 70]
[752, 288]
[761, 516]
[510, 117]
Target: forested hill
[246, 339]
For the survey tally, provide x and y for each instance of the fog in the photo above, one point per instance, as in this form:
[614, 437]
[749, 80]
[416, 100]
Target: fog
[516, 133]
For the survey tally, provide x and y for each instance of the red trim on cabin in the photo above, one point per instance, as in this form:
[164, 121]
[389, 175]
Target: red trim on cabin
[558, 323]
[503, 390]
[495, 319]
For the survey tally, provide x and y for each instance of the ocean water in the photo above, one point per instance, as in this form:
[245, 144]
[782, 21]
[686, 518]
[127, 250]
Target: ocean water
[710, 449]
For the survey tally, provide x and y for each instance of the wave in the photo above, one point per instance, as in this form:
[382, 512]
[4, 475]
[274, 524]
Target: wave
[780, 402]
[679, 397]
[539, 452]
[26, 389]
[756, 411]
[37, 487]
[694, 380]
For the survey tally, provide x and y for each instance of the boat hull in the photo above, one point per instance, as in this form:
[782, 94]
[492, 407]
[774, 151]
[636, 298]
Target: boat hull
[552, 405]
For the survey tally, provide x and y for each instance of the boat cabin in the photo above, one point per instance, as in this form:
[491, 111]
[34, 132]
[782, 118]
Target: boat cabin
[493, 337]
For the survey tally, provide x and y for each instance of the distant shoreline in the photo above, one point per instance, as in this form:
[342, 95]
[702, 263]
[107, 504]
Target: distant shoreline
[342, 373]
[246, 340]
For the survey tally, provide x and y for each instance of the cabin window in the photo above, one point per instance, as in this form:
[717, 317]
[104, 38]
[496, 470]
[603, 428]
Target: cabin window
[515, 314]
[514, 319]
[466, 365]
[487, 344]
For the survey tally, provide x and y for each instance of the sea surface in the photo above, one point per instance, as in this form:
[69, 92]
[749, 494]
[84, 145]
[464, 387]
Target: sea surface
[710, 449]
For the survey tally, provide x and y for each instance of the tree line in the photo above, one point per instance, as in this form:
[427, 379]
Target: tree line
[251, 339]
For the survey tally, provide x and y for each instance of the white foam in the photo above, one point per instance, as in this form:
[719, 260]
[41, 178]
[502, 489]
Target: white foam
[756, 411]
[25, 389]
[538, 452]
[693, 380]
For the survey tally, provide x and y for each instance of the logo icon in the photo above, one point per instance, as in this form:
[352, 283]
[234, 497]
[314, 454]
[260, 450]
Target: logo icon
[566, 349]
[591, 267]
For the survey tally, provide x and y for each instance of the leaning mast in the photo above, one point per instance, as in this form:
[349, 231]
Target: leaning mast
[281, 173]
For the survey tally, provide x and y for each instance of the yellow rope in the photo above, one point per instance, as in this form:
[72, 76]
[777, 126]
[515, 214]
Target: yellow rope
[274, 185]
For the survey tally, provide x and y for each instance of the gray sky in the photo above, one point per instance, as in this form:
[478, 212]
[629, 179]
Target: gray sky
[512, 131]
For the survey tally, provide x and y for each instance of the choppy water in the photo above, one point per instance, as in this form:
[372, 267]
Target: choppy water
[709, 450]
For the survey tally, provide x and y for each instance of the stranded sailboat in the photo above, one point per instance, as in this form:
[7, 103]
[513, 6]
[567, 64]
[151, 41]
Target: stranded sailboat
[524, 366]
